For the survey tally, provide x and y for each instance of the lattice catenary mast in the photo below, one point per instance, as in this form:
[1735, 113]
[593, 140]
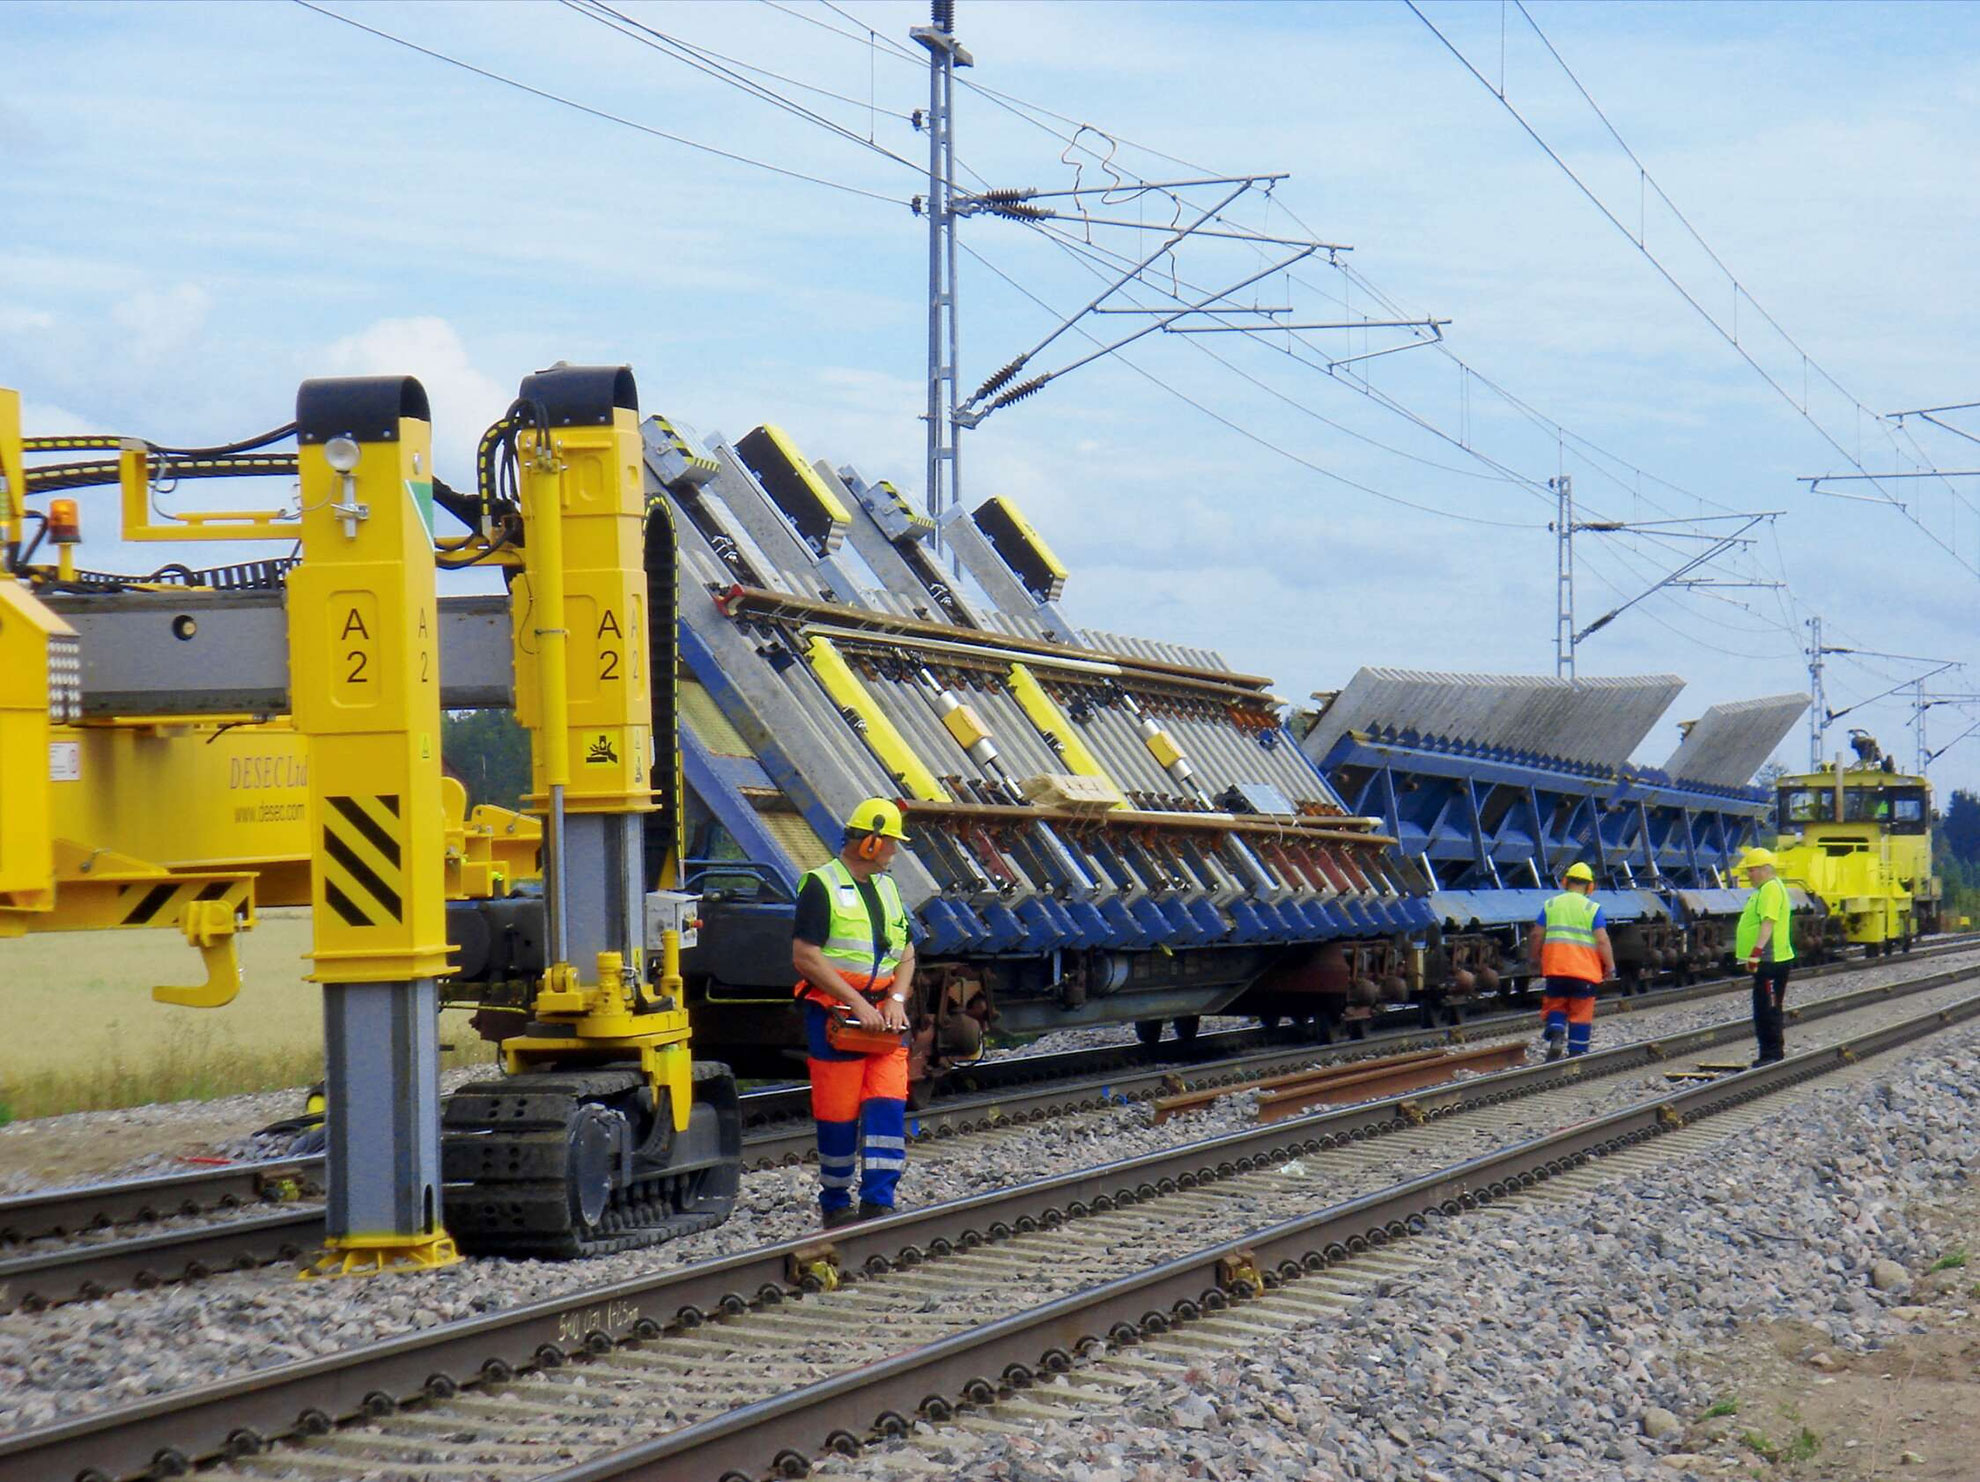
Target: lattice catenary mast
[945, 54]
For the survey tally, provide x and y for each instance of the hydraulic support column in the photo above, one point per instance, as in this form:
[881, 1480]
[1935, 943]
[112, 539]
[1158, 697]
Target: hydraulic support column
[364, 661]
[583, 688]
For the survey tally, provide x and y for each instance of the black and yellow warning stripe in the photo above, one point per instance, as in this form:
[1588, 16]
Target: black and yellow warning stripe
[362, 861]
[163, 903]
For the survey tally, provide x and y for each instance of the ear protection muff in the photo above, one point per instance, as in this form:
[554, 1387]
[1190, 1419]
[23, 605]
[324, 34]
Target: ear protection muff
[870, 846]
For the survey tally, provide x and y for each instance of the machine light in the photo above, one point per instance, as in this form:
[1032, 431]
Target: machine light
[64, 522]
[341, 453]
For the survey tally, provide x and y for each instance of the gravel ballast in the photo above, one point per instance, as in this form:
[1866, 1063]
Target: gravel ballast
[93, 1355]
[1556, 1341]
[249, 1111]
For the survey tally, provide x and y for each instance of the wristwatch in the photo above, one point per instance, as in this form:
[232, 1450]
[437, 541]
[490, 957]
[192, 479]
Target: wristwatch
[898, 997]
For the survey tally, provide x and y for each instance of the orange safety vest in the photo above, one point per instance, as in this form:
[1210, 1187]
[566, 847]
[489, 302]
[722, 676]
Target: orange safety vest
[1568, 949]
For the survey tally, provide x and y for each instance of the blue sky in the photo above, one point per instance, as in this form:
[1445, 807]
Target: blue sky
[208, 203]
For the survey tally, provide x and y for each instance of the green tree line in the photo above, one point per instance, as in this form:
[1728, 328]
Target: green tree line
[489, 752]
[1956, 854]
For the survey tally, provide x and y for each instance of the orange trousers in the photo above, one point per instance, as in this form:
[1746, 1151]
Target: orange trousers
[1572, 1014]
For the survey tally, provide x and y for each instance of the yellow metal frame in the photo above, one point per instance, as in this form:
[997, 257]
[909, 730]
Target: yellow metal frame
[101, 890]
[580, 627]
[13, 467]
[192, 793]
[488, 848]
[605, 1028]
[27, 875]
[372, 1255]
[56, 791]
[134, 482]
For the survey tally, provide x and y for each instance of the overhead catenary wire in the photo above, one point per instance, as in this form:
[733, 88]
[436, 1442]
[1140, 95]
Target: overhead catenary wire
[1018, 105]
[1593, 452]
[600, 113]
[1256, 438]
[1030, 113]
[1669, 627]
[1077, 246]
[1641, 571]
[1269, 337]
[1730, 337]
[1590, 449]
[1647, 535]
[1610, 466]
[723, 69]
[1498, 473]
[867, 104]
[1101, 144]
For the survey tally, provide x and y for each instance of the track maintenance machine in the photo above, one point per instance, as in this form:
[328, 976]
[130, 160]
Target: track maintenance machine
[1859, 835]
[179, 747]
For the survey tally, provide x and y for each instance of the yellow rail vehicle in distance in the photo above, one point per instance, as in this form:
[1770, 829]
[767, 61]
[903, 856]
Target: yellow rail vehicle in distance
[1859, 835]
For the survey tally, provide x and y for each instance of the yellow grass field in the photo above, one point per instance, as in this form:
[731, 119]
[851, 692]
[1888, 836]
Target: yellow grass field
[84, 1033]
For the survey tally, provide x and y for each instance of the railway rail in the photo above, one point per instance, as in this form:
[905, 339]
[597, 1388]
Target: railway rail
[76, 1244]
[1281, 1096]
[1311, 1260]
[517, 1392]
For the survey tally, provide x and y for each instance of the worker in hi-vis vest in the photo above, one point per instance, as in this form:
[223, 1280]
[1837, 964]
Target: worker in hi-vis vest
[1764, 942]
[1569, 947]
[851, 949]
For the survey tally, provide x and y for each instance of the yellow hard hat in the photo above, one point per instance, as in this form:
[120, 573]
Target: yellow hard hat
[1756, 856]
[878, 816]
[1579, 871]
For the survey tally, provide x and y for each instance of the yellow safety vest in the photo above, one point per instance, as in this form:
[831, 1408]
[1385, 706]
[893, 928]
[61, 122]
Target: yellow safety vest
[849, 944]
[1770, 902]
[1568, 950]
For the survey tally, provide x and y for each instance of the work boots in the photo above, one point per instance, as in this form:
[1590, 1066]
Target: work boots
[838, 1219]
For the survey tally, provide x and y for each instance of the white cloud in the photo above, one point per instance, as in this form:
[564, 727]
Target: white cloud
[158, 324]
[464, 399]
[42, 419]
[18, 320]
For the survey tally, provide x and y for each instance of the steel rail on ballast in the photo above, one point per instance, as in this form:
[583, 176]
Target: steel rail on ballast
[1010, 1088]
[935, 1379]
[31, 1280]
[241, 1414]
[74, 1209]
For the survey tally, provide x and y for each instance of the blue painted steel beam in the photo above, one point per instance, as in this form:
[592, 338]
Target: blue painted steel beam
[703, 773]
[775, 764]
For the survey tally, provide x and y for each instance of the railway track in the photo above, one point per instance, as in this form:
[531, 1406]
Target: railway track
[955, 1304]
[81, 1243]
